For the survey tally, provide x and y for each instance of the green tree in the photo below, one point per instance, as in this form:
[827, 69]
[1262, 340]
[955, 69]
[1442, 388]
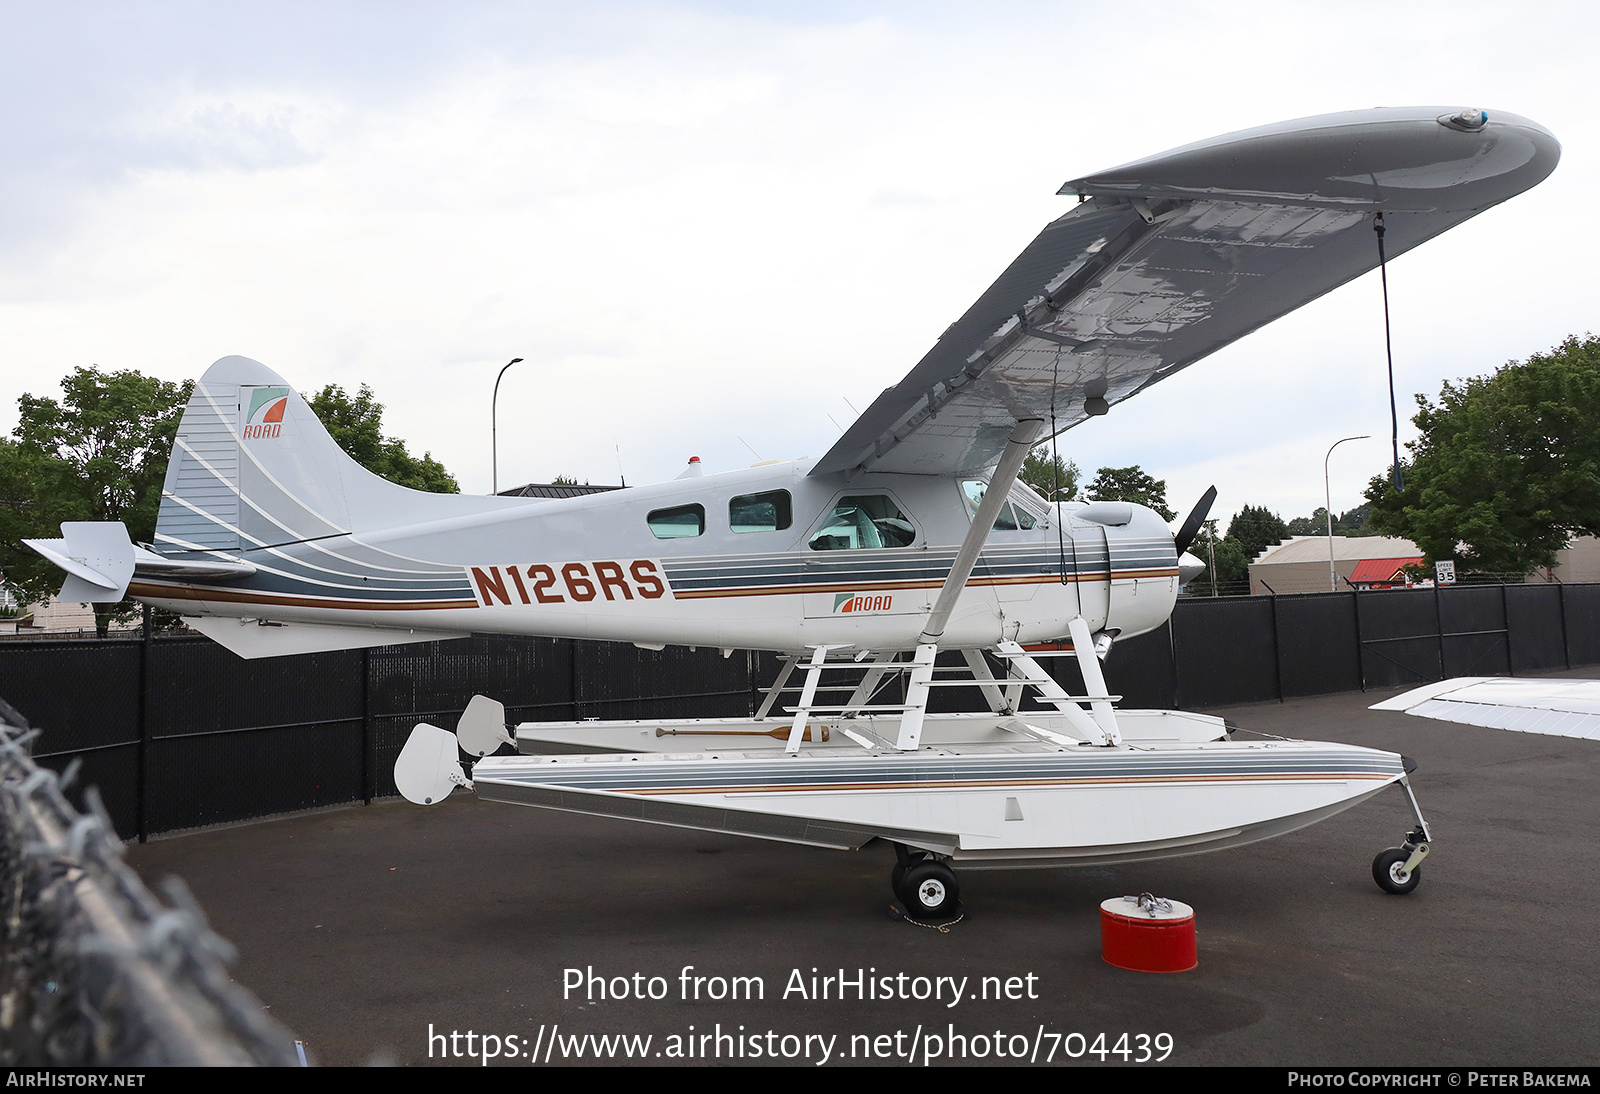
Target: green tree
[1054, 478]
[1508, 465]
[100, 453]
[1351, 523]
[1232, 573]
[357, 425]
[1131, 484]
[25, 513]
[1354, 522]
[1255, 528]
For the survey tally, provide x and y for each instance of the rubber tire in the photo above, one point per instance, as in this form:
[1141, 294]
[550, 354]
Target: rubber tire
[1384, 867]
[929, 890]
[897, 875]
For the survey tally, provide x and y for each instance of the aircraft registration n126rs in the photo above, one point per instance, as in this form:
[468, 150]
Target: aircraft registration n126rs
[910, 535]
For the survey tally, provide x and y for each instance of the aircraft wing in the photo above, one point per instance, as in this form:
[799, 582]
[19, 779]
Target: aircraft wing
[1562, 708]
[1171, 258]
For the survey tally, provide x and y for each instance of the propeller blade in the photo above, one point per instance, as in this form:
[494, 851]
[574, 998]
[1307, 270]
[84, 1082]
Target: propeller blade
[1197, 517]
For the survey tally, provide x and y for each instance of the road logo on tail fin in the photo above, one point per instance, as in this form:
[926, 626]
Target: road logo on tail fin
[265, 418]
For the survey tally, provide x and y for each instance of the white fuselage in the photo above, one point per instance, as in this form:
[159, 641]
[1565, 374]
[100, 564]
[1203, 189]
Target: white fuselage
[612, 567]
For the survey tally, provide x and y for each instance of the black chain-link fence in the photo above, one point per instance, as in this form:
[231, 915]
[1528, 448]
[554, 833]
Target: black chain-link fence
[96, 970]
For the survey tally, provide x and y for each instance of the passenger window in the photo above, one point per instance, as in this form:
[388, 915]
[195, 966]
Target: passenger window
[769, 512]
[1011, 516]
[680, 522]
[864, 521]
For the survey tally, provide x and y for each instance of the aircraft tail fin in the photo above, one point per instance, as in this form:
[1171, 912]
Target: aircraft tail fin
[253, 467]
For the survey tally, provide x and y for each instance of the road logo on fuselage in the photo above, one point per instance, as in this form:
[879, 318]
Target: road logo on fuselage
[853, 602]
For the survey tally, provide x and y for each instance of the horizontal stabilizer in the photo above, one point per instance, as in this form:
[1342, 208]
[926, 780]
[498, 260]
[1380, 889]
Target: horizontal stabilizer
[98, 559]
[222, 568]
[252, 638]
[1561, 708]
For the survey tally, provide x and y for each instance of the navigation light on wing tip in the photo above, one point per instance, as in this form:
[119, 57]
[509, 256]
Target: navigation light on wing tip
[1469, 120]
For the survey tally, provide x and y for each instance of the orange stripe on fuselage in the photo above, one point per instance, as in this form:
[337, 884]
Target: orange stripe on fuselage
[239, 596]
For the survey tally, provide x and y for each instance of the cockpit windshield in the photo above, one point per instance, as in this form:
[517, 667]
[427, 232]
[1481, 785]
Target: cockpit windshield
[863, 521]
[1012, 516]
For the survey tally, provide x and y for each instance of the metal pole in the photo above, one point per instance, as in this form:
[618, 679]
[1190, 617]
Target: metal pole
[366, 726]
[141, 776]
[1327, 497]
[1211, 544]
[494, 439]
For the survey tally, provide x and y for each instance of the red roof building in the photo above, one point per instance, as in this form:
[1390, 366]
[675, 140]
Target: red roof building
[1382, 573]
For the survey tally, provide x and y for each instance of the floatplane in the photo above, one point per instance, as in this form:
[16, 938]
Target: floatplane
[911, 535]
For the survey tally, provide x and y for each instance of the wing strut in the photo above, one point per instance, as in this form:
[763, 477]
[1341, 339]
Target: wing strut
[1005, 476]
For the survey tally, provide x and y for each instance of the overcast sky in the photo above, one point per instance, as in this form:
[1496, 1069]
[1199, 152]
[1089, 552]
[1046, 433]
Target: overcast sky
[710, 229]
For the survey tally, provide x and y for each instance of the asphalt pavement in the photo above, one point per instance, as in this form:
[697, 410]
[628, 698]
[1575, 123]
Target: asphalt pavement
[386, 933]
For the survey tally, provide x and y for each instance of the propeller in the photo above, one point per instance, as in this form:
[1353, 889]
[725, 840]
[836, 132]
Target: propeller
[1197, 517]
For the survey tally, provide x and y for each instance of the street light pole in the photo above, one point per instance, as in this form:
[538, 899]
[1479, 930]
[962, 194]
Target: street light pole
[1327, 496]
[1211, 544]
[494, 438]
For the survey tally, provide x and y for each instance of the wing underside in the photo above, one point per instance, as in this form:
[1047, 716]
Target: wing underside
[1172, 258]
[1561, 708]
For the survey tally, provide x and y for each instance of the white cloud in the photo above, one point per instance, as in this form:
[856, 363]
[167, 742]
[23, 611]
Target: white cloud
[697, 224]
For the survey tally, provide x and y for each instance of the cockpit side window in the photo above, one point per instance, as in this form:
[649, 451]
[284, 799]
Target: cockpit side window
[679, 522]
[1011, 517]
[863, 521]
[771, 511]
